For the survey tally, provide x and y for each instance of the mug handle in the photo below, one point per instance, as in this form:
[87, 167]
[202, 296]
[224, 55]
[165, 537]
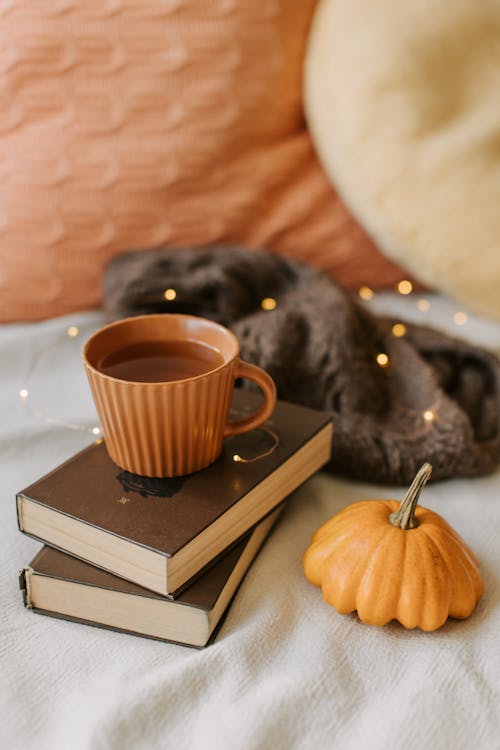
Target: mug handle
[267, 386]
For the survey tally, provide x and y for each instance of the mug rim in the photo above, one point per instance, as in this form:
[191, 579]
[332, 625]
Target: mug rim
[122, 321]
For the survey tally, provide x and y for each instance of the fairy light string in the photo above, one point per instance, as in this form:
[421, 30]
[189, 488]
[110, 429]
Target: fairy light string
[399, 329]
[25, 394]
[238, 458]
[405, 288]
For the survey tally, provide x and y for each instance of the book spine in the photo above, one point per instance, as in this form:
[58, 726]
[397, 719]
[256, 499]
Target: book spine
[19, 500]
[24, 585]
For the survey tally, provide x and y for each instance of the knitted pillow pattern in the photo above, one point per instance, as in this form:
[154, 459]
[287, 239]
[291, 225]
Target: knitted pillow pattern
[128, 123]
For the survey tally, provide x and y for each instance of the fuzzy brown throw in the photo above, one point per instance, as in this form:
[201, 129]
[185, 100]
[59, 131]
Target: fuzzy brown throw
[320, 347]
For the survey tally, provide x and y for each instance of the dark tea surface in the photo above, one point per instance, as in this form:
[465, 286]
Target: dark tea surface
[160, 361]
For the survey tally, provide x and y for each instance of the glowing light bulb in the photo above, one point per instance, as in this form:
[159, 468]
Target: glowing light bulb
[73, 331]
[366, 293]
[460, 318]
[236, 458]
[170, 294]
[23, 393]
[429, 415]
[398, 330]
[268, 303]
[423, 305]
[382, 359]
[96, 431]
[405, 287]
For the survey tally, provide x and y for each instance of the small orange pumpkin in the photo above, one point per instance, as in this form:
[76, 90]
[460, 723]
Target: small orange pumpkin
[392, 561]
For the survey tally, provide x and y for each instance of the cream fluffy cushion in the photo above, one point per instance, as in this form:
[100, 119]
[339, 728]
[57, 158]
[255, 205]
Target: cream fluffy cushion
[403, 101]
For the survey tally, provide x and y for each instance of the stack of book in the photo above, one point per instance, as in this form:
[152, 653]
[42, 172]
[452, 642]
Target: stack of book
[164, 557]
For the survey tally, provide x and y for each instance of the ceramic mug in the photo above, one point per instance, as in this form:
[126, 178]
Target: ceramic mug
[168, 427]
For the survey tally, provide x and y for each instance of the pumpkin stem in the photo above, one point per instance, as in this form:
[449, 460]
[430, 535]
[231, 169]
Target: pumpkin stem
[404, 516]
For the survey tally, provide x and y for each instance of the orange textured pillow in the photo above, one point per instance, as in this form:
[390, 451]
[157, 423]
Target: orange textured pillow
[137, 123]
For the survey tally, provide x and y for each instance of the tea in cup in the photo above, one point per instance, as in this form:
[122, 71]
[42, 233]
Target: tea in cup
[162, 385]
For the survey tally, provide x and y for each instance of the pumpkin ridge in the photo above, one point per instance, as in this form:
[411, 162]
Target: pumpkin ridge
[341, 524]
[346, 515]
[466, 555]
[465, 610]
[375, 585]
[463, 587]
[317, 555]
[430, 518]
[453, 536]
[412, 592]
[424, 586]
[426, 516]
[335, 532]
[440, 581]
[459, 611]
[341, 590]
[343, 515]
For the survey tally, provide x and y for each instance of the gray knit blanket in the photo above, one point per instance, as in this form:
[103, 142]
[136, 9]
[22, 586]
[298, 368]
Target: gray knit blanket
[437, 400]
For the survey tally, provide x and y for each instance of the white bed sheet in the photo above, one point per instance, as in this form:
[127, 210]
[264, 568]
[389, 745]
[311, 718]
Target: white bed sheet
[286, 671]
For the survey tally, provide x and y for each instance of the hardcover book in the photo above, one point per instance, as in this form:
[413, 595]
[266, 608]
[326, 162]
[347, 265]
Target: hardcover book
[159, 533]
[62, 586]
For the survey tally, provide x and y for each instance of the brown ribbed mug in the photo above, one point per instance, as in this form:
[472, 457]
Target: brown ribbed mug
[172, 427]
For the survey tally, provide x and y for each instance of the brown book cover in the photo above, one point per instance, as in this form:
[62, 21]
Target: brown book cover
[159, 533]
[60, 585]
